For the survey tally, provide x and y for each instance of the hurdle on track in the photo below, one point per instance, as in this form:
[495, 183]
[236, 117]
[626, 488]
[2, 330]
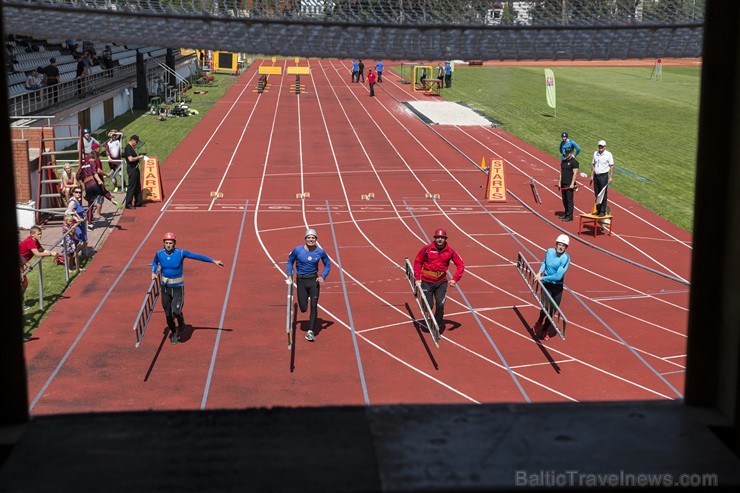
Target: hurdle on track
[147, 307]
[424, 307]
[547, 304]
[289, 316]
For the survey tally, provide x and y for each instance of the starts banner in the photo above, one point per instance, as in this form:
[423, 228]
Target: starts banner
[550, 88]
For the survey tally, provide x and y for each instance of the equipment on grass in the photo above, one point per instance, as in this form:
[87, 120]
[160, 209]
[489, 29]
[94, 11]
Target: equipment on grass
[289, 313]
[147, 307]
[421, 300]
[547, 304]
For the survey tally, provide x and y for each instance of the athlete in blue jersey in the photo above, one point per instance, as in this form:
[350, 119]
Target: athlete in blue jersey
[169, 261]
[308, 281]
[551, 274]
[566, 144]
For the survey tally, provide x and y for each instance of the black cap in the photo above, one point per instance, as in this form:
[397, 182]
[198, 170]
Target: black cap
[134, 137]
[565, 134]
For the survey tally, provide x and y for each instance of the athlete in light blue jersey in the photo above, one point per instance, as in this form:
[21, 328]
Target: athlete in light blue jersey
[551, 274]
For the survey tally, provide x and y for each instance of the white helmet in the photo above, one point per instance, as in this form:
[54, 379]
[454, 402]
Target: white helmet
[310, 232]
[564, 239]
[602, 143]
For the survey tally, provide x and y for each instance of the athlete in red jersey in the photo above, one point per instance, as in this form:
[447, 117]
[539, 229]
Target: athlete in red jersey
[430, 272]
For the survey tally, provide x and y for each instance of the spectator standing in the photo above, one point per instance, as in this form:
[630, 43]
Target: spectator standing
[71, 241]
[379, 70]
[28, 249]
[361, 72]
[113, 147]
[51, 72]
[552, 274]
[75, 208]
[371, 81]
[430, 272]
[602, 173]
[306, 258]
[441, 71]
[89, 142]
[132, 158]
[568, 175]
[448, 74]
[169, 262]
[567, 144]
[89, 175]
[81, 73]
[355, 71]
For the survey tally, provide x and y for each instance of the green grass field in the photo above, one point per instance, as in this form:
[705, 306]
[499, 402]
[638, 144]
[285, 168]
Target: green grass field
[650, 127]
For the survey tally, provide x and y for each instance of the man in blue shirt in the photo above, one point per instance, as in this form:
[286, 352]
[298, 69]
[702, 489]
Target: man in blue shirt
[308, 283]
[170, 262]
[379, 70]
[566, 144]
[355, 71]
[552, 273]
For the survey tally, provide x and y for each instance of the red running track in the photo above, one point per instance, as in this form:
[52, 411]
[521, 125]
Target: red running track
[625, 300]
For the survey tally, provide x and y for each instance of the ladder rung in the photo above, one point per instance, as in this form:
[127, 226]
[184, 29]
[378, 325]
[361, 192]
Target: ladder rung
[58, 138]
[55, 153]
[51, 195]
[55, 180]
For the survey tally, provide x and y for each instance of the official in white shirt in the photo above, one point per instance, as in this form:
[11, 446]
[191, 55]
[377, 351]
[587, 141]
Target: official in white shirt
[602, 172]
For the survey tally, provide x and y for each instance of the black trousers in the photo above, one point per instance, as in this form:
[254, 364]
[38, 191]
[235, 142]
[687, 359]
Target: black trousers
[372, 89]
[436, 294]
[567, 195]
[308, 288]
[134, 186]
[556, 292]
[600, 182]
[173, 300]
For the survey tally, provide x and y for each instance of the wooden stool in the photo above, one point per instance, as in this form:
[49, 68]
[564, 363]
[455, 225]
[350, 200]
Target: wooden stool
[596, 222]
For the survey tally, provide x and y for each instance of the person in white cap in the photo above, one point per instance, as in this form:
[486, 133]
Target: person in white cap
[602, 172]
[306, 258]
[552, 273]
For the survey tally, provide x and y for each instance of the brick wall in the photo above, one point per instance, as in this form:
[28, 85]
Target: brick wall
[22, 140]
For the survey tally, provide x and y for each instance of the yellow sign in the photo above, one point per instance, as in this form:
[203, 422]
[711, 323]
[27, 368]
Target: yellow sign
[270, 70]
[302, 70]
[496, 187]
[151, 181]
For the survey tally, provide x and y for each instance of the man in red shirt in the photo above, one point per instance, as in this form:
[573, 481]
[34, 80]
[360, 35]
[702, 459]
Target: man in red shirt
[430, 272]
[371, 81]
[28, 249]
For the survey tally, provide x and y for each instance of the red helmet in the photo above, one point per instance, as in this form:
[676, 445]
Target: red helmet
[169, 236]
[440, 232]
